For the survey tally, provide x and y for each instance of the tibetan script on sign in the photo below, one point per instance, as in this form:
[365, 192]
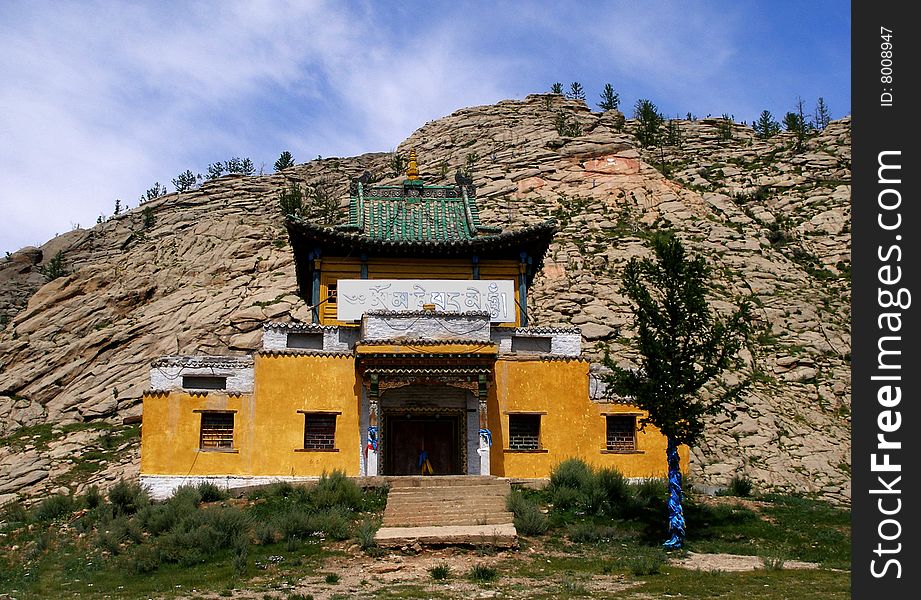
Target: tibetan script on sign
[495, 296]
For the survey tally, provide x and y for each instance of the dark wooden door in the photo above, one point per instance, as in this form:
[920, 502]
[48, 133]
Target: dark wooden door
[408, 437]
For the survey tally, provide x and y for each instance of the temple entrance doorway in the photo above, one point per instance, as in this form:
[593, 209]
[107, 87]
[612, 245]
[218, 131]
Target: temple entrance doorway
[423, 444]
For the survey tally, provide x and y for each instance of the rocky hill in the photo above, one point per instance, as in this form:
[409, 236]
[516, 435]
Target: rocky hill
[199, 272]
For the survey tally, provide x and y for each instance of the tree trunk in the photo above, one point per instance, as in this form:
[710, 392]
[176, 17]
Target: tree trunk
[675, 498]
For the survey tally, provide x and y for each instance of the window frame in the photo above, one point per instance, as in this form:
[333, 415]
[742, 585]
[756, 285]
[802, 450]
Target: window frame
[202, 447]
[613, 449]
[320, 413]
[536, 416]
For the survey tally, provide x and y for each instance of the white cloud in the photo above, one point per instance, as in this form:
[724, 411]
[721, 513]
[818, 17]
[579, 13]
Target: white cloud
[102, 99]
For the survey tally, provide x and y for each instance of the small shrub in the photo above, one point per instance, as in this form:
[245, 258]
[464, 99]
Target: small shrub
[337, 491]
[14, 513]
[332, 578]
[565, 498]
[145, 559]
[240, 553]
[54, 268]
[366, 532]
[149, 217]
[571, 473]
[53, 507]
[228, 523]
[127, 498]
[616, 491]
[773, 563]
[440, 571]
[481, 573]
[291, 202]
[334, 523]
[266, 534]
[92, 497]
[209, 492]
[531, 521]
[648, 562]
[740, 486]
[300, 596]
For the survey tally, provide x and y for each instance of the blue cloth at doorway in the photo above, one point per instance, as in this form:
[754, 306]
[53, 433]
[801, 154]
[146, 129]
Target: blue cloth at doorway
[487, 436]
[424, 463]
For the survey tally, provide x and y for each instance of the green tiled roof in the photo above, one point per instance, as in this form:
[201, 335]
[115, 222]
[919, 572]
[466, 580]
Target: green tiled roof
[414, 213]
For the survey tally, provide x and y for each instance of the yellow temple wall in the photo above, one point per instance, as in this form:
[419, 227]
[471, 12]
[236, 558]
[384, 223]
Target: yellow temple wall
[268, 432]
[572, 426]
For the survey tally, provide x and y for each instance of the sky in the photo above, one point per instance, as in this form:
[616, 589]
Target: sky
[100, 100]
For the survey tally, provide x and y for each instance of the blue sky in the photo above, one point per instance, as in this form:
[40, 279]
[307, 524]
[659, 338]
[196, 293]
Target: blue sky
[100, 100]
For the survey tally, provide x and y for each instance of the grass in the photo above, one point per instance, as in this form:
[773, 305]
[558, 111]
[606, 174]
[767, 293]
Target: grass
[282, 536]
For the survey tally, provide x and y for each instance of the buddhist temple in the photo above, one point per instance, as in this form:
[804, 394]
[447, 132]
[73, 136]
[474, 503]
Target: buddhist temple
[419, 360]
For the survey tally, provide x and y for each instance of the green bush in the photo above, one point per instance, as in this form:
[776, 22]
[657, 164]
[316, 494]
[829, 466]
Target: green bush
[647, 562]
[54, 268]
[209, 492]
[127, 498]
[145, 559]
[332, 578]
[531, 521]
[335, 490]
[334, 523]
[740, 486]
[440, 571]
[481, 573]
[53, 507]
[92, 497]
[616, 491]
[571, 473]
[366, 532]
[566, 498]
[14, 513]
[240, 549]
[266, 533]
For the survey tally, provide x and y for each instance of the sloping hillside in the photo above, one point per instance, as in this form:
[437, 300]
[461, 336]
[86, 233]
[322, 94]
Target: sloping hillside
[203, 272]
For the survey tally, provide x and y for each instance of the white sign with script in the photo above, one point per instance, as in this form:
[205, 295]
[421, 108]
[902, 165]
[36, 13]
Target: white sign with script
[495, 296]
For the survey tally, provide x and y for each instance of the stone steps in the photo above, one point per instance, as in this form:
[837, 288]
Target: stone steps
[447, 510]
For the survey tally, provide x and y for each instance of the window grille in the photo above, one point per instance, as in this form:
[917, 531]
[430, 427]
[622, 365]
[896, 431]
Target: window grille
[524, 432]
[204, 382]
[216, 430]
[621, 433]
[319, 431]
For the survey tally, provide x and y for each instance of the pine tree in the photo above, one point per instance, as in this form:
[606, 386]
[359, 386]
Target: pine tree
[766, 126]
[682, 347]
[284, 161]
[822, 117]
[556, 88]
[186, 181]
[576, 92]
[649, 122]
[118, 207]
[795, 123]
[610, 99]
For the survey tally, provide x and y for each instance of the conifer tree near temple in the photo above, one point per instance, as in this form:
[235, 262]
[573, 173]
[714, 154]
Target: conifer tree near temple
[682, 347]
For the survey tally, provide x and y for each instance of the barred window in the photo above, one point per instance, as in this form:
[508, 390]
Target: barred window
[319, 431]
[524, 432]
[204, 382]
[216, 430]
[621, 433]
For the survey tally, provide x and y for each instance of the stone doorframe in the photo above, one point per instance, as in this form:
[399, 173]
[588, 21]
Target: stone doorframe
[379, 380]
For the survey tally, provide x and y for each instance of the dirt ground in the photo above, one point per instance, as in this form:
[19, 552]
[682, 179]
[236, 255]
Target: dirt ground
[362, 576]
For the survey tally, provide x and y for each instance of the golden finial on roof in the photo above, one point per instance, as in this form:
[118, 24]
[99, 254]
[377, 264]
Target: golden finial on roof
[412, 169]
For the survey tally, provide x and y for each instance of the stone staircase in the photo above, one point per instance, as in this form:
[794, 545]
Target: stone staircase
[447, 510]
